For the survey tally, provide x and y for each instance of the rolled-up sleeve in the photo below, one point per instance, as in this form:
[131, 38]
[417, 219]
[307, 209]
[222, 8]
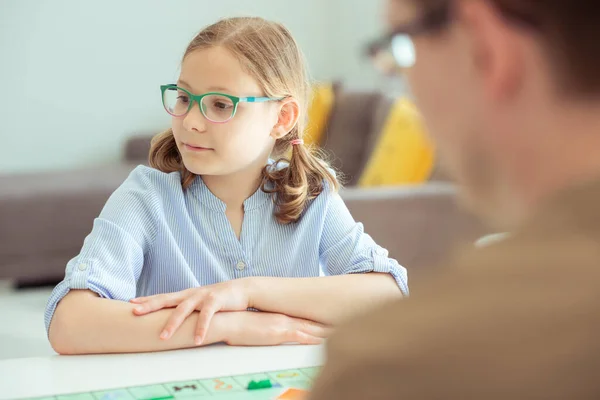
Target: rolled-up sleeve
[345, 248]
[112, 256]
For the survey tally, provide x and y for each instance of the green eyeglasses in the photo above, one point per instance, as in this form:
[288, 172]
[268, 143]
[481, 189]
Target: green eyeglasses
[216, 107]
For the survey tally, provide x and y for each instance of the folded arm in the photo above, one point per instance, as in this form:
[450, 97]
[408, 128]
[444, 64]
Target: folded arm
[84, 323]
[328, 300]
[360, 274]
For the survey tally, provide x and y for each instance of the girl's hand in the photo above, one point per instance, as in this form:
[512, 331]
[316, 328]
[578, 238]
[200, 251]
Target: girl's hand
[226, 296]
[248, 328]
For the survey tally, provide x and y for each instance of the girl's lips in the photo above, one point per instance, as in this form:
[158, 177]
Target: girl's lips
[195, 148]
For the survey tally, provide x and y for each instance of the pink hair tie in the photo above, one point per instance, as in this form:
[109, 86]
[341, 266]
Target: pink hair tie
[296, 142]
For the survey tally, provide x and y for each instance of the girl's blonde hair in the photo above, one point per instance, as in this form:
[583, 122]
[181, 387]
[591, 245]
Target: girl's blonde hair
[270, 54]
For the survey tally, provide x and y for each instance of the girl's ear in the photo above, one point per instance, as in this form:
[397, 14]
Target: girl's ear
[289, 112]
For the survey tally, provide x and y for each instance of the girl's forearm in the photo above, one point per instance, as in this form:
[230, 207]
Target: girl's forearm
[328, 300]
[84, 323]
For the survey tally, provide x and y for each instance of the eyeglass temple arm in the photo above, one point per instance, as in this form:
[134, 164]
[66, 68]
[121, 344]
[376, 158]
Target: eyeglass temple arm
[259, 99]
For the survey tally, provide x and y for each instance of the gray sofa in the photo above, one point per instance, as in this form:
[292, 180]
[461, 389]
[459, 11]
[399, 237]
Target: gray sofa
[45, 217]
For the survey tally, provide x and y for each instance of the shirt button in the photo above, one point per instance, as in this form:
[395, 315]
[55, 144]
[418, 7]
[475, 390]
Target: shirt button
[82, 267]
[241, 265]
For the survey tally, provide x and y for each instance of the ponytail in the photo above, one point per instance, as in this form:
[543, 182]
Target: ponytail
[301, 181]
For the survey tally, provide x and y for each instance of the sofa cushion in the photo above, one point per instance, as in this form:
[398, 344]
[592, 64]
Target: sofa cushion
[45, 215]
[319, 112]
[348, 131]
[137, 149]
[403, 153]
[420, 225]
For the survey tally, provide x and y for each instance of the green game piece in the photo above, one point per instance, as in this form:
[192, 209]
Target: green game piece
[221, 385]
[151, 392]
[264, 384]
[244, 380]
[78, 396]
[119, 394]
[187, 389]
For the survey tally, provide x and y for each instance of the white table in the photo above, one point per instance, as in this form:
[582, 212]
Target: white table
[45, 376]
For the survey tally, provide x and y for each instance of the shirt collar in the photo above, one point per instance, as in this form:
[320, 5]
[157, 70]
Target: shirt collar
[208, 199]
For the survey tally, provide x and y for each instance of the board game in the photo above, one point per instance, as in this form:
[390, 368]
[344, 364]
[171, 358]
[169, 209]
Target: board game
[277, 385]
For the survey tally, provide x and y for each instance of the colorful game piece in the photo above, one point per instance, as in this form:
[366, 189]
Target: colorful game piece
[244, 380]
[264, 384]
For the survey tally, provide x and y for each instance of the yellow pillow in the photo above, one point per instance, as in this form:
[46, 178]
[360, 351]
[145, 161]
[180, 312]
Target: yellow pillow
[318, 113]
[403, 153]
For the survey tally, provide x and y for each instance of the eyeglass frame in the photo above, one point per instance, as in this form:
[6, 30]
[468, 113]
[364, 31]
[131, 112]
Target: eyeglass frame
[432, 19]
[436, 19]
[198, 99]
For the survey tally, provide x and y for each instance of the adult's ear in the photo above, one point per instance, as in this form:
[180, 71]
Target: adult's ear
[497, 48]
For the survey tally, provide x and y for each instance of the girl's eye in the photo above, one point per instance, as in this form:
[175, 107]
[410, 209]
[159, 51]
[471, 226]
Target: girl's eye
[221, 105]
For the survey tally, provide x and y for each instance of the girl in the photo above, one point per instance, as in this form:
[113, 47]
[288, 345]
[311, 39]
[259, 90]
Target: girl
[215, 227]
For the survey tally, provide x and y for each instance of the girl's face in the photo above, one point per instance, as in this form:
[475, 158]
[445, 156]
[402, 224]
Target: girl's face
[246, 140]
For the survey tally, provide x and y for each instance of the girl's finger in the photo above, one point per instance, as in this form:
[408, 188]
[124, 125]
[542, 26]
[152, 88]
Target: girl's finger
[158, 302]
[179, 315]
[208, 310]
[138, 300]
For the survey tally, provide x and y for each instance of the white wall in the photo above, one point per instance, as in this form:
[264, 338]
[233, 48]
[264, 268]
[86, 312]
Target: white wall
[79, 76]
[353, 24]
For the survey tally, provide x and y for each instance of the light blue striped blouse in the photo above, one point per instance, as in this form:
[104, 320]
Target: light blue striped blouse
[154, 237]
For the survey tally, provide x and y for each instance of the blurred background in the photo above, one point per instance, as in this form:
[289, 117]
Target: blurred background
[65, 62]
[80, 82]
